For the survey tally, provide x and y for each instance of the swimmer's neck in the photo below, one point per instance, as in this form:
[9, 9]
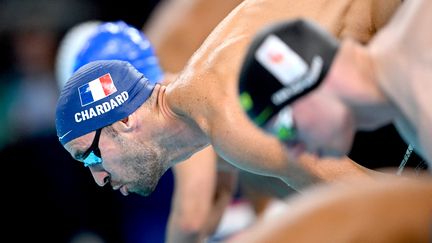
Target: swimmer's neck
[162, 103]
[185, 136]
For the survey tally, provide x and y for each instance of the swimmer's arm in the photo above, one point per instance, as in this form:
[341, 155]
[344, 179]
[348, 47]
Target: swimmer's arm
[391, 210]
[243, 144]
[201, 194]
[401, 58]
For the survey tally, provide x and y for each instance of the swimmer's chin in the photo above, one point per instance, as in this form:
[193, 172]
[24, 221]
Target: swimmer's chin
[141, 192]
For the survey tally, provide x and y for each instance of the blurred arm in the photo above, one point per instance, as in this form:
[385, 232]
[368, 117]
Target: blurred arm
[392, 210]
[402, 62]
[202, 191]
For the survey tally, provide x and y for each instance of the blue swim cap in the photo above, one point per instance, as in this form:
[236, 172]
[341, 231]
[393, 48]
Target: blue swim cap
[95, 40]
[97, 95]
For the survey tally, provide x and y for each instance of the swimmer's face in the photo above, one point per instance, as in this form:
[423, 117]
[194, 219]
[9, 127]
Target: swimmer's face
[322, 126]
[127, 165]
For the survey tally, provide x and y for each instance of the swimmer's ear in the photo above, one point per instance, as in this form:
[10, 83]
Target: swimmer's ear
[126, 124]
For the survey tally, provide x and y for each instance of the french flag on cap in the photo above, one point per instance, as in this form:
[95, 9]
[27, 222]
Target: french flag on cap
[96, 89]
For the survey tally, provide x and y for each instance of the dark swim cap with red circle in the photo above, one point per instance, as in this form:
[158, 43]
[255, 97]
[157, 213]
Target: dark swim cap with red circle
[284, 62]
